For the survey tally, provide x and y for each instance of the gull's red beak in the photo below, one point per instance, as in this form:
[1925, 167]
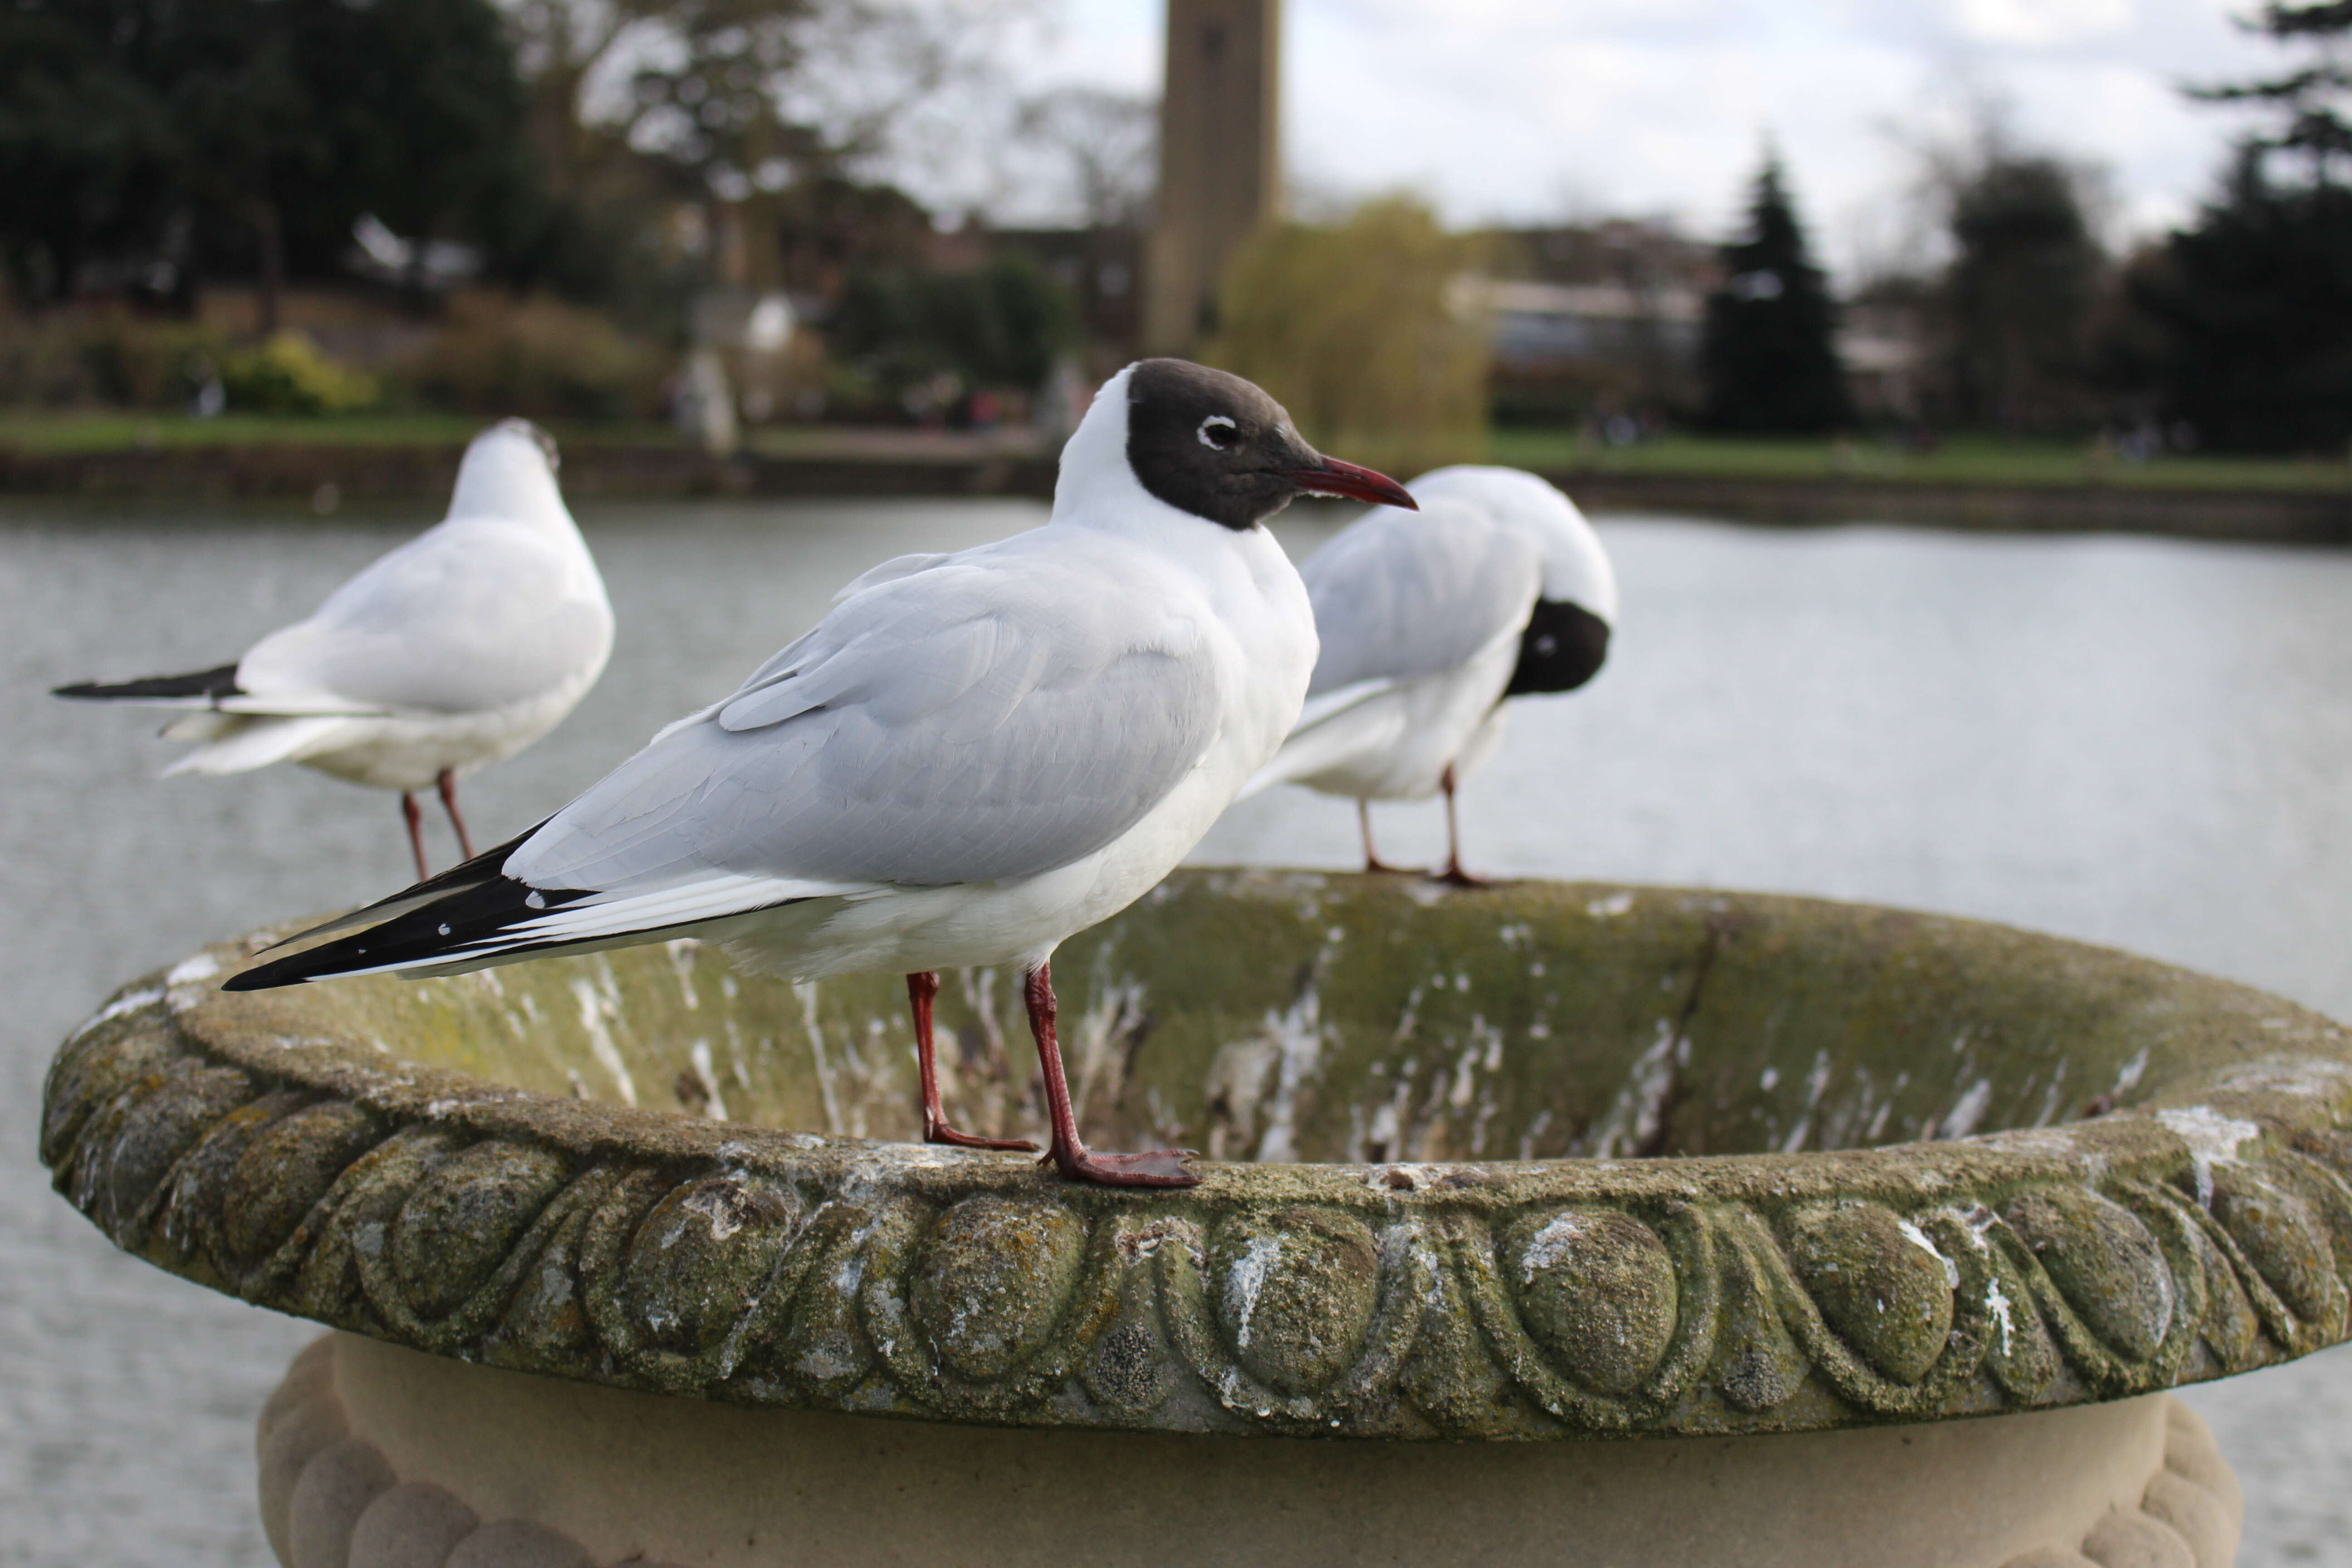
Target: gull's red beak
[1338, 479]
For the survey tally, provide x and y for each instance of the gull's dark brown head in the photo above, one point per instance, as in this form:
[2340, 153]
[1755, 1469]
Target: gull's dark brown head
[1213, 445]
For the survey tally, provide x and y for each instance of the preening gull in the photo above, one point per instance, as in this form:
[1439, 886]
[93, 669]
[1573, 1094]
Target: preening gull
[454, 651]
[1498, 589]
[971, 757]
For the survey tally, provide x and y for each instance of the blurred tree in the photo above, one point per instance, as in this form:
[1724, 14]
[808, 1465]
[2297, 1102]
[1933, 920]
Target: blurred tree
[829, 225]
[2024, 275]
[2253, 314]
[1768, 355]
[561, 45]
[2252, 307]
[85, 147]
[2314, 103]
[1361, 331]
[1005, 321]
[999, 325]
[1098, 149]
[310, 112]
[710, 107]
[140, 138]
[728, 104]
[601, 233]
[155, 134]
[1108, 143]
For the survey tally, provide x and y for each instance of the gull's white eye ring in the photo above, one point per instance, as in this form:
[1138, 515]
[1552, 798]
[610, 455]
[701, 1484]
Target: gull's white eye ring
[1217, 431]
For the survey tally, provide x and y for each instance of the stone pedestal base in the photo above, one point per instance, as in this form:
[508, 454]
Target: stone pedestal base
[377, 1456]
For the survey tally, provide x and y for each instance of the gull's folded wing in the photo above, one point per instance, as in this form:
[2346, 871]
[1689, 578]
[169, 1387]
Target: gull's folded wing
[1403, 594]
[1399, 597]
[975, 722]
[972, 722]
[471, 615]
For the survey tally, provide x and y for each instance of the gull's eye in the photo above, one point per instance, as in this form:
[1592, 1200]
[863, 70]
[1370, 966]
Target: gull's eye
[1218, 431]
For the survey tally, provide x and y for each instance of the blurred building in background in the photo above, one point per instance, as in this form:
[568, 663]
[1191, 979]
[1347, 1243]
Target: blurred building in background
[1885, 343]
[1597, 318]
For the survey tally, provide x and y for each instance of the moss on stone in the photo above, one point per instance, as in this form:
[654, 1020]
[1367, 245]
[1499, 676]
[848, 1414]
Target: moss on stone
[1530, 1162]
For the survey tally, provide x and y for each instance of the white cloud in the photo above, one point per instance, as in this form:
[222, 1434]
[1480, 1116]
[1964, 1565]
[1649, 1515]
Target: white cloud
[2036, 22]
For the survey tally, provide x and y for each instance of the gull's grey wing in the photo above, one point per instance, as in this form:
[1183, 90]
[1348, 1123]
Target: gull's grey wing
[978, 721]
[471, 615]
[890, 571]
[1401, 594]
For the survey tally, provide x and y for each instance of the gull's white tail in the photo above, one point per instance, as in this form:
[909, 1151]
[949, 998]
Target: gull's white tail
[237, 743]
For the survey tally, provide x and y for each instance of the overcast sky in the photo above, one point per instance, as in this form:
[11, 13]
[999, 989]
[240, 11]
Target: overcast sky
[1535, 110]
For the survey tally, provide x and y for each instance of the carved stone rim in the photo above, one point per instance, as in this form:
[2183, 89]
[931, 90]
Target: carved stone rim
[2202, 1233]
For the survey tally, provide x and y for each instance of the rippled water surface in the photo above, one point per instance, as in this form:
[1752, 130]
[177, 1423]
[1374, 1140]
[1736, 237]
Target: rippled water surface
[2137, 743]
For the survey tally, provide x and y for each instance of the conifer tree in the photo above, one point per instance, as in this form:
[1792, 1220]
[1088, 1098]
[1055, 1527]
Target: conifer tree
[2253, 303]
[1768, 356]
[2313, 102]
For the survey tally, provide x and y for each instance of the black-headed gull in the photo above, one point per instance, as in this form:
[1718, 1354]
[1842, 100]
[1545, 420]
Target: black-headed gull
[1499, 588]
[454, 651]
[971, 758]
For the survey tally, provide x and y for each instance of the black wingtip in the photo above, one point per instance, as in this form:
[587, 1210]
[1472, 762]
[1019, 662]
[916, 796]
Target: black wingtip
[364, 950]
[268, 976]
[214, 683]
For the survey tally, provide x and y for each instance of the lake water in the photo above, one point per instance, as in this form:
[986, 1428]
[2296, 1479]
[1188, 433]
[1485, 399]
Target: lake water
[2134, 741]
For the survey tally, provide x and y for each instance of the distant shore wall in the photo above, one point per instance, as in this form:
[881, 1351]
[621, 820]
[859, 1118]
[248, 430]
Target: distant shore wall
[360, 472]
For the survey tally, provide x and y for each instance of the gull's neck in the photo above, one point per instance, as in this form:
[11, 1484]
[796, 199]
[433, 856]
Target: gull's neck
[1094, 483]
[1097, 489]
[505, 476]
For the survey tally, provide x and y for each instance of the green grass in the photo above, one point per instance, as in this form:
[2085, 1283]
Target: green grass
[114, 432]
[1959, 459]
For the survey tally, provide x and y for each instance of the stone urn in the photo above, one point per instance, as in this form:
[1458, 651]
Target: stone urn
[1558, 1224]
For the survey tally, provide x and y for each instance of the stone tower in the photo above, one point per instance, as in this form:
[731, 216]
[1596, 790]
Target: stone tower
[1220, 159]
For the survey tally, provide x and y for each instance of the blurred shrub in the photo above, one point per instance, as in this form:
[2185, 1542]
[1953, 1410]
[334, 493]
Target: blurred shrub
[288, 374]
[1361, 331]
[498, 356]
[1004, 322]
[142, 362]
[999, 326]
[108, 355]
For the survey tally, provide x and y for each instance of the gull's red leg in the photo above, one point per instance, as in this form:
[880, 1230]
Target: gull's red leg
[922, 986]
[448, 781]
[1153, 1168]
[1454, 872]
[416, 820]
[1372, 861]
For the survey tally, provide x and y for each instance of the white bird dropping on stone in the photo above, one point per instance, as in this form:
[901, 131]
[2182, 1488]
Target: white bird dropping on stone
[971, 758]
[457, 650]
[1498, 588]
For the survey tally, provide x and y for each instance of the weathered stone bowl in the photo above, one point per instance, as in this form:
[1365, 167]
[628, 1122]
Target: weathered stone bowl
[1536, 1163]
